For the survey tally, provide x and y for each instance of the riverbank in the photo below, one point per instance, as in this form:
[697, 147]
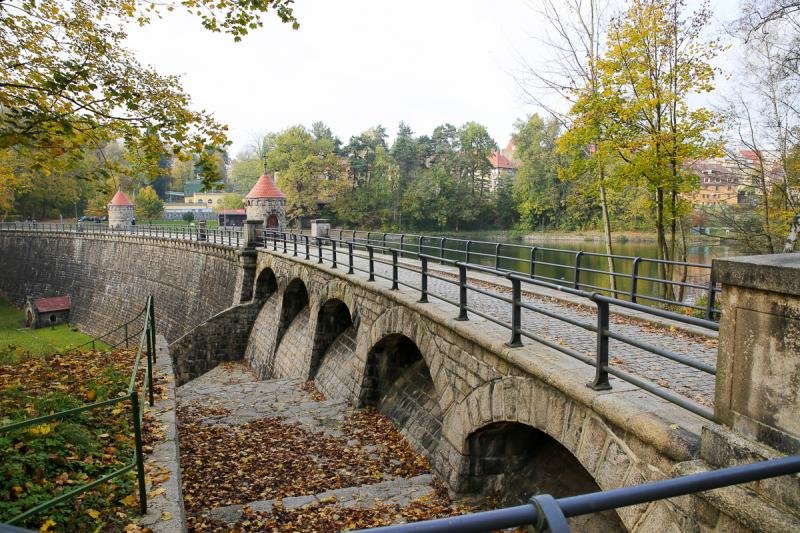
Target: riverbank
[587, 236]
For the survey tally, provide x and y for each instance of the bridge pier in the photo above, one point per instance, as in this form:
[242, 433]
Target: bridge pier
[757, 400]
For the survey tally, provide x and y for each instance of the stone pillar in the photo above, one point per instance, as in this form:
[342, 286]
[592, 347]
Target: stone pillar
[251, 232]
[758, 366]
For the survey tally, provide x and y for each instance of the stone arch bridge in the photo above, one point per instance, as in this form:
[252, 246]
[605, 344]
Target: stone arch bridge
[510, 421]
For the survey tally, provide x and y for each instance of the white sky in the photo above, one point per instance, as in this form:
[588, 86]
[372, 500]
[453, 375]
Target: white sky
[357, 63]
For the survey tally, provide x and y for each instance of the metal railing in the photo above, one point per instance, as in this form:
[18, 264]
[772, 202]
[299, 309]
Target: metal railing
[224, 236]
[332, 250]
[629, 275]
[146, 349]
[545, 513]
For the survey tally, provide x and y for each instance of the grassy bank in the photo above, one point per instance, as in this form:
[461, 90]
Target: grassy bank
[16, 339]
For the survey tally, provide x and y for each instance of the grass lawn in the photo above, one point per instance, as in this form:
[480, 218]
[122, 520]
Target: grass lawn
[14, 336]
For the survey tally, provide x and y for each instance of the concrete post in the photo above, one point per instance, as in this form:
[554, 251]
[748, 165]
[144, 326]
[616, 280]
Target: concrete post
[758, 366]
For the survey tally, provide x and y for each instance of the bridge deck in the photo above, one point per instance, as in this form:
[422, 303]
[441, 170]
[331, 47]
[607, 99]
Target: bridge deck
[689, 382]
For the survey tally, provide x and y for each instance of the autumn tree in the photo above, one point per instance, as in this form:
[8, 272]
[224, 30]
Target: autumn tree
[656, 60]
[308, 170]
[147, 204]
[69, 83]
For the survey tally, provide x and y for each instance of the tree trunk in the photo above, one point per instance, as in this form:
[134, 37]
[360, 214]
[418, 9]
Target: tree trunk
[794, 232]
[661, 240]
[607, 231]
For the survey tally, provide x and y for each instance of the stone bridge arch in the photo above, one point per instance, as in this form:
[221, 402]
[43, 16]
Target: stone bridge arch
[266, 284]
[536, 428]
[291, 339]
[397, 357]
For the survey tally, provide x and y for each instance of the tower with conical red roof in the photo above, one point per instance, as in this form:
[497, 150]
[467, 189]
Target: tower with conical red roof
[120, 211]
[267, 203]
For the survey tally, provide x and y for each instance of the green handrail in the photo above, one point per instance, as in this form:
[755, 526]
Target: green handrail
[146, 345]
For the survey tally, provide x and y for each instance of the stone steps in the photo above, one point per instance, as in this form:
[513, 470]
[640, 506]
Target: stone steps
[399, 491]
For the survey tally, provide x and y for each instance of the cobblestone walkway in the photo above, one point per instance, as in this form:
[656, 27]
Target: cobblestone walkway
[687, 381]
[231, 397]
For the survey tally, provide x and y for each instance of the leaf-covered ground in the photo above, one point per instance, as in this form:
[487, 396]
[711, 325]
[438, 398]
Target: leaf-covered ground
[273, 458]
[44, 461]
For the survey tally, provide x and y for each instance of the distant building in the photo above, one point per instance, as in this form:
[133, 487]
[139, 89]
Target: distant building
[231, 217]
[41, 312]
[120, 211]
[504, 167]
[177, 211]
[266, 202]
[209, 199]
[720, 182]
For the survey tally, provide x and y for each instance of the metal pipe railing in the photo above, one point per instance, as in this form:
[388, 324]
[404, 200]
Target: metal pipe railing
[544, 512]
[599, 360]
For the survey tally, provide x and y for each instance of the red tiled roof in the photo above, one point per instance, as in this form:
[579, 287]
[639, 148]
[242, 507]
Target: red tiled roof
[49, 305]
[498, 160]
[120, 199]
[232, 212]
[265, 188]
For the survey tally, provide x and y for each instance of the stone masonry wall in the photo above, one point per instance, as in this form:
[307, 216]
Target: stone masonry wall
[291, 356]
[110, 277]
[336, 378]
[261, 342]
[223, 337]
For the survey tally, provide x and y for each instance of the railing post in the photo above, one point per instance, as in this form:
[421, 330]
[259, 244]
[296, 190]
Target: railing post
[423, 296]
[308, 255]
[369, 237]
[150, 350]
[576, 278]
[516, 312]
[466, 258]
[712, 282]
[601, 375]
[319, 250]
[384, 243]
[350, 257]
[283, 238]
[394, 270]
[533, 261]
[274, 241]
[441, 249]
[294, 243]
[462, 292]
[371, 253]
[353, 238]
[333, 252]
[137, 437]
[419, 245]
[402, 238]
[635, 277]
[497, 256]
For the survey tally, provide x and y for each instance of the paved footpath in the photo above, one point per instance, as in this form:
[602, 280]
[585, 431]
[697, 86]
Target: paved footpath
[687, 381]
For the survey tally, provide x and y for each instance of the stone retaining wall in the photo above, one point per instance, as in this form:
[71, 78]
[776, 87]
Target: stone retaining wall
[222, 337]
[109, 277]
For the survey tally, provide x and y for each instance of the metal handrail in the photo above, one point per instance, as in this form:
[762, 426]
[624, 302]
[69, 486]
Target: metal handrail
[599, 360]
[145, 349]
[407, 242]
[547, 513]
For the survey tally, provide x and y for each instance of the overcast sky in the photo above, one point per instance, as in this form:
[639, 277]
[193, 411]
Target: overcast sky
[357, 63]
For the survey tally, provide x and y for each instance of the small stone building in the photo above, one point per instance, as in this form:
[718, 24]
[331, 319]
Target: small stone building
[266, 202]
[120, 211]
[42, 312]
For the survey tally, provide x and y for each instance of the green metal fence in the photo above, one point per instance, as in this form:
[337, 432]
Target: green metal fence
[136, 401]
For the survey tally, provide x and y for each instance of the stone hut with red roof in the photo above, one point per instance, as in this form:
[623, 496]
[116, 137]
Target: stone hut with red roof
[266, 202]
[41, 312]
[120, 211]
